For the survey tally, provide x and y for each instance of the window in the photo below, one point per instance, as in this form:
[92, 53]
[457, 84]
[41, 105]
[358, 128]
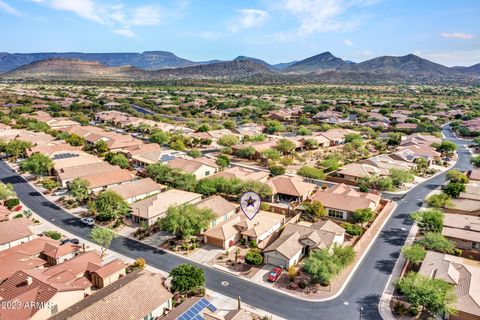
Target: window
[207, 173]
[336, 214]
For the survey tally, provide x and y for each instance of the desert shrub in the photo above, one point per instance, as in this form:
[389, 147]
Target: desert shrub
[55, 235]
[253, 258]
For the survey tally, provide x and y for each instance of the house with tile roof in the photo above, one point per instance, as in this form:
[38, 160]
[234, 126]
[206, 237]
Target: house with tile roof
[200, 167]
[137, 190]
[297, 241]
[151, 209]
[290, 189]
[221, 208]
[259, 229]
[463, 274]
[243, 174]
[352, 173]
[341, 200]
[15, 232]
[464, 230]
[138, 295]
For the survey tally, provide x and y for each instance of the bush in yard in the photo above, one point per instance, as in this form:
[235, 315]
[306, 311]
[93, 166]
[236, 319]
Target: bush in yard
[322, 265]
[453, 189]
[314, 210]
[302, 284]
[430, 220]
[11, 203]
[363, 216]
[110, 205]
[352, 229]
[415, 253]
[277, 170]
[457, 176]
[311, 172]
[38, 164]
[6, 191]
[139, 264]
[253, 258]
[186, 277]
[435, 295]
[55, 235]
[437, 242]
[79, 189]
[440, 200]
[50, 184]
[400, 177]
[18, 216]
[223, 161]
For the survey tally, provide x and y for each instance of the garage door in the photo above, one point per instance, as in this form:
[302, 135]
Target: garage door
[215, 242]
[276, 261]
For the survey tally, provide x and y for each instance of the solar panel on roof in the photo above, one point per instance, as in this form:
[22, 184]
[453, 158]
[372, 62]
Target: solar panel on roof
[65, 155]
[195, 311]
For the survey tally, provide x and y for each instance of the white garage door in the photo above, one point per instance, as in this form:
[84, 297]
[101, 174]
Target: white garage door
[276, 261]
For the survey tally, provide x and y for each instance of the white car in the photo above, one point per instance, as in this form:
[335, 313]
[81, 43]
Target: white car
[60, 192]
[88, 221]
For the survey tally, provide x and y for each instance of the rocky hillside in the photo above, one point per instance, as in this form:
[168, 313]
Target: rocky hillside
[60, 69]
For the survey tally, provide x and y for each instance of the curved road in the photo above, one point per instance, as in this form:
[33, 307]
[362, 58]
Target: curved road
[363, 291]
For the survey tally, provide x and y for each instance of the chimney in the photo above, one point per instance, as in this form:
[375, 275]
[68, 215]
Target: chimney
[29, 280]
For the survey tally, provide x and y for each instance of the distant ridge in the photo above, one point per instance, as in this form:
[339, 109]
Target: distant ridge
[162, 65]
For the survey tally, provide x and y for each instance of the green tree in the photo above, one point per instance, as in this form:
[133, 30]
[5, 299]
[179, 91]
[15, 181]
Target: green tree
[285, 146]
[277, 170]
[247, 152]
[435, 295]
[186, 277]
[457, 176]
[228, 140]
[171, 177]
[38, 164]
[447, 147]
[363, 216]
[119, 160]
[223, 161]
[204, 128]
[394, 139]
[160, 137]
[79, 189]
[437, 242]
[186, 220]
[302, 131]
[322, 265]
[453, 189]
[103, 237]
[101, 147]
[75, 140]
[400, 176]
[6, 191]
[254, 257]
[440, 200]
[50, 184]
[415, 253]
[17, 148]
[271, 154]
[311, 144]
[194, 153]
[273, 126]
[311, 172]
[430, 220]
[314, 210]
[475, 161]
[110, 205]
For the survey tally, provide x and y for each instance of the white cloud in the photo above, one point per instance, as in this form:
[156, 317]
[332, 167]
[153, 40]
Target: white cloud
[9, 9]
[457, 35]
[118, 17]
[323, 15]
[349, 43]
[146, 16]
[453, 58]
[248, 18]
[125, 32]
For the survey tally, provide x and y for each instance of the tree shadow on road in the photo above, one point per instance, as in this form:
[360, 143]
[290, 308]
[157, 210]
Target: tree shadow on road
[393, 236]
[368, 307]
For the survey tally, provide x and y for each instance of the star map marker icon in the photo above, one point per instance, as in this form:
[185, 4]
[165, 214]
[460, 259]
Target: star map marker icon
[250, 204]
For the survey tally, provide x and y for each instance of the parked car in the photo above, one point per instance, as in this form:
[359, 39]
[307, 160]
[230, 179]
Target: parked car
[88, 221]
[274, 274]
[60, 192]
[72, 241]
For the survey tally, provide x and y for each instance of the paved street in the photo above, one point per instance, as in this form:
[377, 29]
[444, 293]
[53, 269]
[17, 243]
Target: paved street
[364, 289]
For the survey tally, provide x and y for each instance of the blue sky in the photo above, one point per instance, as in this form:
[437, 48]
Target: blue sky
[444, 31]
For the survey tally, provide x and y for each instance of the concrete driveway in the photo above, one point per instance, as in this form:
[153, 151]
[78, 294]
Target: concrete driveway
[205, 254]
